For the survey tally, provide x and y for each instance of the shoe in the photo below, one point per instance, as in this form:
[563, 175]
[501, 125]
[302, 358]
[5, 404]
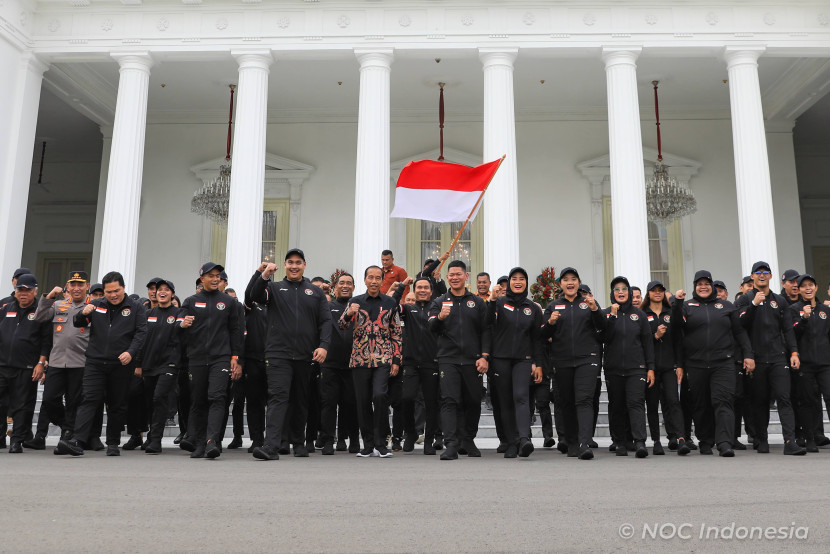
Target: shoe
[585, 452]
[811, 446]
[198, 452]
[691, 444]
[266, 452]
[145, 443]
[285, 450]
[502, 448]
[354, 446]
[178, 438]
[705, 449]
[255, 444]
[396, 445]
[382, 452]
[438, 444]
[57, 452]
[420, 439]
[549, 443]
[367, 452]
[612, 447]
[725, 450]
[96, 445]
[235, 443]
[134, 442]
[301, 451]
[511, 451]
[738, 445]
[36, 443]
[640, 450]
[763, 447]
[472, 449]
[821, 440]
[408, 444]
[621, 450]
[327, 450]
[573, 451]
[657, 449]
[113, 450]
[562, 447]
[682, 447]
[153, 447]
[461, 450]
[212, 450]
[341, 445]
[800, 441]
[71, 448]
[592, 444]
[791, 449]
[319, 443]
[187, 444]
[526, 448]
[630, 446]
[429, 450]
[672, 444]
[15, 448]
[449, 454]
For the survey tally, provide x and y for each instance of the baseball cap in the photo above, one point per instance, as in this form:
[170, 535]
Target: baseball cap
[223, 276]
[719, 285]
[26, 281]
[21, 271]
[95, 287]
[789, 275]
[161, 282]
[653, 284]
[295, 251]
[154, 282]
[210, 266]
[78, 277]
[567, 270]
[760, 265]
[584, 288]
[703, 274]
[805, 277]
[746, 280]
[502, 279]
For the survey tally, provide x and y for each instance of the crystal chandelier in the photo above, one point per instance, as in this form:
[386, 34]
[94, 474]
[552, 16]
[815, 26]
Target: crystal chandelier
[666, 199]
[212, 199]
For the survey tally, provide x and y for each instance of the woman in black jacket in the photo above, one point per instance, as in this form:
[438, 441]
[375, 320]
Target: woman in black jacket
[517, 359]
[629, 365]
[667, 376]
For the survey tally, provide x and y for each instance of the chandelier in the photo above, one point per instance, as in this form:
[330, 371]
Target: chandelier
[212, 199]
[666, 199]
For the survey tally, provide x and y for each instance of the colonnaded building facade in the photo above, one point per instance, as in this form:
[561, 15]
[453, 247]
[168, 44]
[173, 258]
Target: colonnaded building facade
[115, 112]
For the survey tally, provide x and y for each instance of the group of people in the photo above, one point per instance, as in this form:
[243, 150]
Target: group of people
[313, 366]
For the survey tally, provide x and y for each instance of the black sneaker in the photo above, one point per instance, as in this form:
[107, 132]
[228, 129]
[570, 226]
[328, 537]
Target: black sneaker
[153, 447]
[285, 449]
[382, 452]
[96, 445]
[682, 447]
[235, 443]
[301, 451]
[705, 449]
[592, 444]
[36, 443]
[449, 454]
[502, 448]
[573, 451]
[71, 448]
[341, 446]
[585, 452]
[319, 443]
[471, 448]
[657, 449]
[134, 442]
[562, 447]
[526, 448]
[15, 447]
[811, 446]
[672, 444]
[255, 444]
[511, 451]
[791, 449]
[179, 438]
[396, 445]
[549, 443]
[428, 449]
[187, 445]
[113, 450]
[738, 445]
[354, 446]
[621, 449]
[461, 450]
[763, 447]
[309, 446]
[408, 444]
[691, 444]
[821, 440]
[145, 443]
[438, 444]
[327, 450]
[640, 450]
[266, 452]
[801, 441]
[198, 452]
[212, 450]
[612, 447]
[725, 450]
[367, 452]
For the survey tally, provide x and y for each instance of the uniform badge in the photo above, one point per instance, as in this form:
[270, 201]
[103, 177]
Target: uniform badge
[471, 304]
[59, 328]
[634, 317]
[220, 305]
[822, 315]
[583, 306]
[81, 330]
[152, 319]
[667, 318]
[171, 319]
[126, 311]
[773, 304]
[718, 306]
[309, 292]
[527, 311]
[31, 316]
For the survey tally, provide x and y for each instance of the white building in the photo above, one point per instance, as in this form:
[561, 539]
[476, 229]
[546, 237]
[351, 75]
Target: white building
[335, 96]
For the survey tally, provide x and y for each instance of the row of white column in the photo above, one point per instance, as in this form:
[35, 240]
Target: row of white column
[119, 232]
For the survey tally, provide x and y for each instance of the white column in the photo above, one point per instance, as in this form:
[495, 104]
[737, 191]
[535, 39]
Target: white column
[119, 235]
[106, 132]
[756, 224]
[625, 146]
[501, 202]
[243, 253]
[371, 198]
[16, 162]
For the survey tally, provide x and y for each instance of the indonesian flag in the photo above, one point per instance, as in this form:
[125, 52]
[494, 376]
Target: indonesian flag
[441, 191]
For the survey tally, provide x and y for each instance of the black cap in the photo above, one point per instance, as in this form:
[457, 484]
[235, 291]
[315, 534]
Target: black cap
[703, 274]
[758, 265]
[198, 281]
[653, 284]
[208, 267]
[170, 284]
[518, 270]
[428, 261]
[789, 275]
[223, 276]
[78, 277]
[21, 271]
[502, 279]
[26, 281]
[620, 279]
[584, 288]
[294, 251]
[154, 282]
[746, 280]
[719, 285]
[96, 286]
[567, 270]
[806, 277]
[134, 296]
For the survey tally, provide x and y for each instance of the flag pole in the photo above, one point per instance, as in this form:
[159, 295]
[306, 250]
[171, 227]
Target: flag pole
[458, 235]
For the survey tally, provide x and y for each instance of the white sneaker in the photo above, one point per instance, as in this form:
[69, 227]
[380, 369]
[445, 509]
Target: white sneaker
[420, 440]
[381, 454]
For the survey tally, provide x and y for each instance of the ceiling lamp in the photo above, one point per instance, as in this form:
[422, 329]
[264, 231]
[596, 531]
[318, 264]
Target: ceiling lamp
[212, 199]
[666, 199]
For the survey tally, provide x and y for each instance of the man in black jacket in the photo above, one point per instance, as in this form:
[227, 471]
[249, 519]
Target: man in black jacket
[24, 347]
[214, 337]
[256, 386]
[117, 327]
[299, 335]
[459, 319]
[764, 315]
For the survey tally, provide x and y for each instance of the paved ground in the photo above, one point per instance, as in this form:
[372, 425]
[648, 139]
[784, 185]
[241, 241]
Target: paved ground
[411, 503]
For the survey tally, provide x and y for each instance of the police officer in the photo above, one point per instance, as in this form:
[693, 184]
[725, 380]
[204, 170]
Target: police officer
[337, 394]
[117, 326]
[24, 348]
[256, 387]
[765, 317]
[629, 367]
[516, 359]
[214, 336]
[459, 318]
[573, 323]
[160, 360]
[706, 330]
[67, 358]
[299, 336]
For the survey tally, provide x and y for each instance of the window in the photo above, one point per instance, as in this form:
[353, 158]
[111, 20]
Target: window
[53, 267]
[427, 239]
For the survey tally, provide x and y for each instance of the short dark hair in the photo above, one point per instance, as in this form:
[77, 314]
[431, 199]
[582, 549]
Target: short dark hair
[484, 274]
[457, 263]
[637, 289]
[112, 277]
[424, 279]
[344, 274]
[387, 253]
[229, 290]
[318, 279]
[366, 271]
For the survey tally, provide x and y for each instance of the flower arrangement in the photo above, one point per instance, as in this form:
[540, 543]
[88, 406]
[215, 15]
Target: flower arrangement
[336, 275]
[546, 287]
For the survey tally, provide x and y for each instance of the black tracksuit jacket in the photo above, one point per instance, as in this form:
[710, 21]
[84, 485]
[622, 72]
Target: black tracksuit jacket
[812, 334]
[465, 335]
[516, 329]
[22, 339]
[706, 332]
[114, 329]
[664, 358]
[340, 351]
[217, 334]
[162, 346]
[575, 334]
[769, 327]
[629, 342]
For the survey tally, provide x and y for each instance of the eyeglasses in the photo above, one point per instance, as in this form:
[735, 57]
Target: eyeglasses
[763, 272]
[621, 289]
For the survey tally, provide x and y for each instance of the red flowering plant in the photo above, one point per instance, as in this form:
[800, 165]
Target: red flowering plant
[336, 275]
[546, 287]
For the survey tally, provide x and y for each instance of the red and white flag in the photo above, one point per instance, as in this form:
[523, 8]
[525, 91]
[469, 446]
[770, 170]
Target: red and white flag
[441, 191]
